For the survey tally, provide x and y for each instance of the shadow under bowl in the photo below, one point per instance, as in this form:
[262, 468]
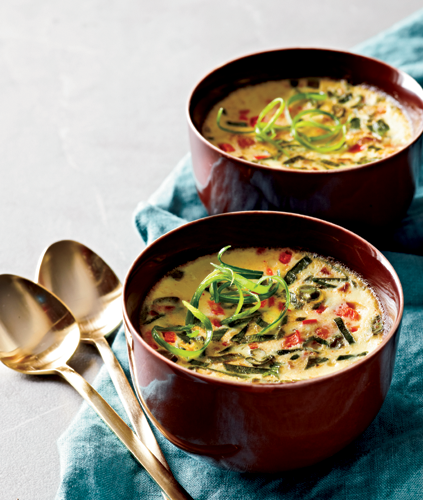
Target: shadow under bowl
[261, 427]
[361, 198]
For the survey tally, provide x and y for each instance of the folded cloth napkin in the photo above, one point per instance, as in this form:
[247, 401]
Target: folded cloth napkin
[386, 461]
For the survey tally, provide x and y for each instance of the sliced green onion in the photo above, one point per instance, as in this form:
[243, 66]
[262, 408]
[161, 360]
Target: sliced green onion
[284, 311]
[182, 352]
[263, 127]
[219, 117]
[247, 273]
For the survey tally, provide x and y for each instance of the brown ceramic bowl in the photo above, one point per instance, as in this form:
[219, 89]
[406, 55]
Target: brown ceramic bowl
[361, 197]
[261, 427]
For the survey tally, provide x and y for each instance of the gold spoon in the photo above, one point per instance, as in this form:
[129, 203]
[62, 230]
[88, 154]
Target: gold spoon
[92, 291]
[38, 335]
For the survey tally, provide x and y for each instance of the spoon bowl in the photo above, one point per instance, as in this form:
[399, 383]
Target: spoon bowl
[38, 335]
[37, 331]
[86, 284]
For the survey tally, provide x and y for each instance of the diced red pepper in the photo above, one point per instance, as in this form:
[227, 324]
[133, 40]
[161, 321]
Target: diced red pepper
[321, 309]
[262, 157]
[325, 270]
[356, 148]
[253, 121]
[281, 305]
[344, 288]
[353, 329]
[245, 142]
[216, 322]
[292, 340]
[226, 343]
[260, 250]
[285, 257]
[170, 337]
[215, 308]
[309, 321]
[348, 312]
[271, 301]
[323, 332]
[263, 303]
[254, 345]
[269, 271]
[228, 148]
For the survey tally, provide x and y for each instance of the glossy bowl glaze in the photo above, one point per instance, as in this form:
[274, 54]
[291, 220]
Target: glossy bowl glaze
[362, 198]
[265, 427]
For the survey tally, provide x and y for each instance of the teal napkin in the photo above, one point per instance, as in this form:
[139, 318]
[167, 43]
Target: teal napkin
[386, 461]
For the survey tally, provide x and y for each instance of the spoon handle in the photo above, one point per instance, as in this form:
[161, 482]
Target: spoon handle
[129, 400]
[161, 476]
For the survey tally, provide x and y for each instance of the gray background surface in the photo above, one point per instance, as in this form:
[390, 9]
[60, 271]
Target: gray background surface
[92, 119]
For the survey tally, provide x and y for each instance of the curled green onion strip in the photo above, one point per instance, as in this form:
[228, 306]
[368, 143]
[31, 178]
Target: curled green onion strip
[242, 291]
[332, 140]
[177, 350]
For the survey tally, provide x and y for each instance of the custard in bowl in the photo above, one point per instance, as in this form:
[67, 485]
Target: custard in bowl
[262, 315]
[320, 132]
[279, 418]
[308, 124]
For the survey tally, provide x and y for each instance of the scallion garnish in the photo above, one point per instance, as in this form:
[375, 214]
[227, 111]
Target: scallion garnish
[241, 291]
[182, 352]
[332, 138]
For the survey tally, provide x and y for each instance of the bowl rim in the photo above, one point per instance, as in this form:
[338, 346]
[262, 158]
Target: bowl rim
[417, 134]
[262, 387]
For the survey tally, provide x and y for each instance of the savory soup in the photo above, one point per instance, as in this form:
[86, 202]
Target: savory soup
[308, 124]
[262, 315]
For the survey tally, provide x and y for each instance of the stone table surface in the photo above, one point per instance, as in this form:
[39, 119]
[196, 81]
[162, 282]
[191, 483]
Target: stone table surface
[92, 119]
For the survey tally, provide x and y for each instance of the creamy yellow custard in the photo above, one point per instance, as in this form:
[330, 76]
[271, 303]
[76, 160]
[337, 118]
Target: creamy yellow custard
[371, 124]
[332, 318]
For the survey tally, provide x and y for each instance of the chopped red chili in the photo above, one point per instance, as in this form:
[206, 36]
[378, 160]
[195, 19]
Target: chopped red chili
[215, 308]
[345, 287]
[285, 257]
[216, 322]
[356, 148]
[347, 312]
[254, 345]
[262, 157]
[269, 271]
[228, 148]
[245, 142]
[321, 309]
[271, 301]
[323, 332]
[253, 121]
[170, 337]
[309, 321]
[325, 270]
[292, 340]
